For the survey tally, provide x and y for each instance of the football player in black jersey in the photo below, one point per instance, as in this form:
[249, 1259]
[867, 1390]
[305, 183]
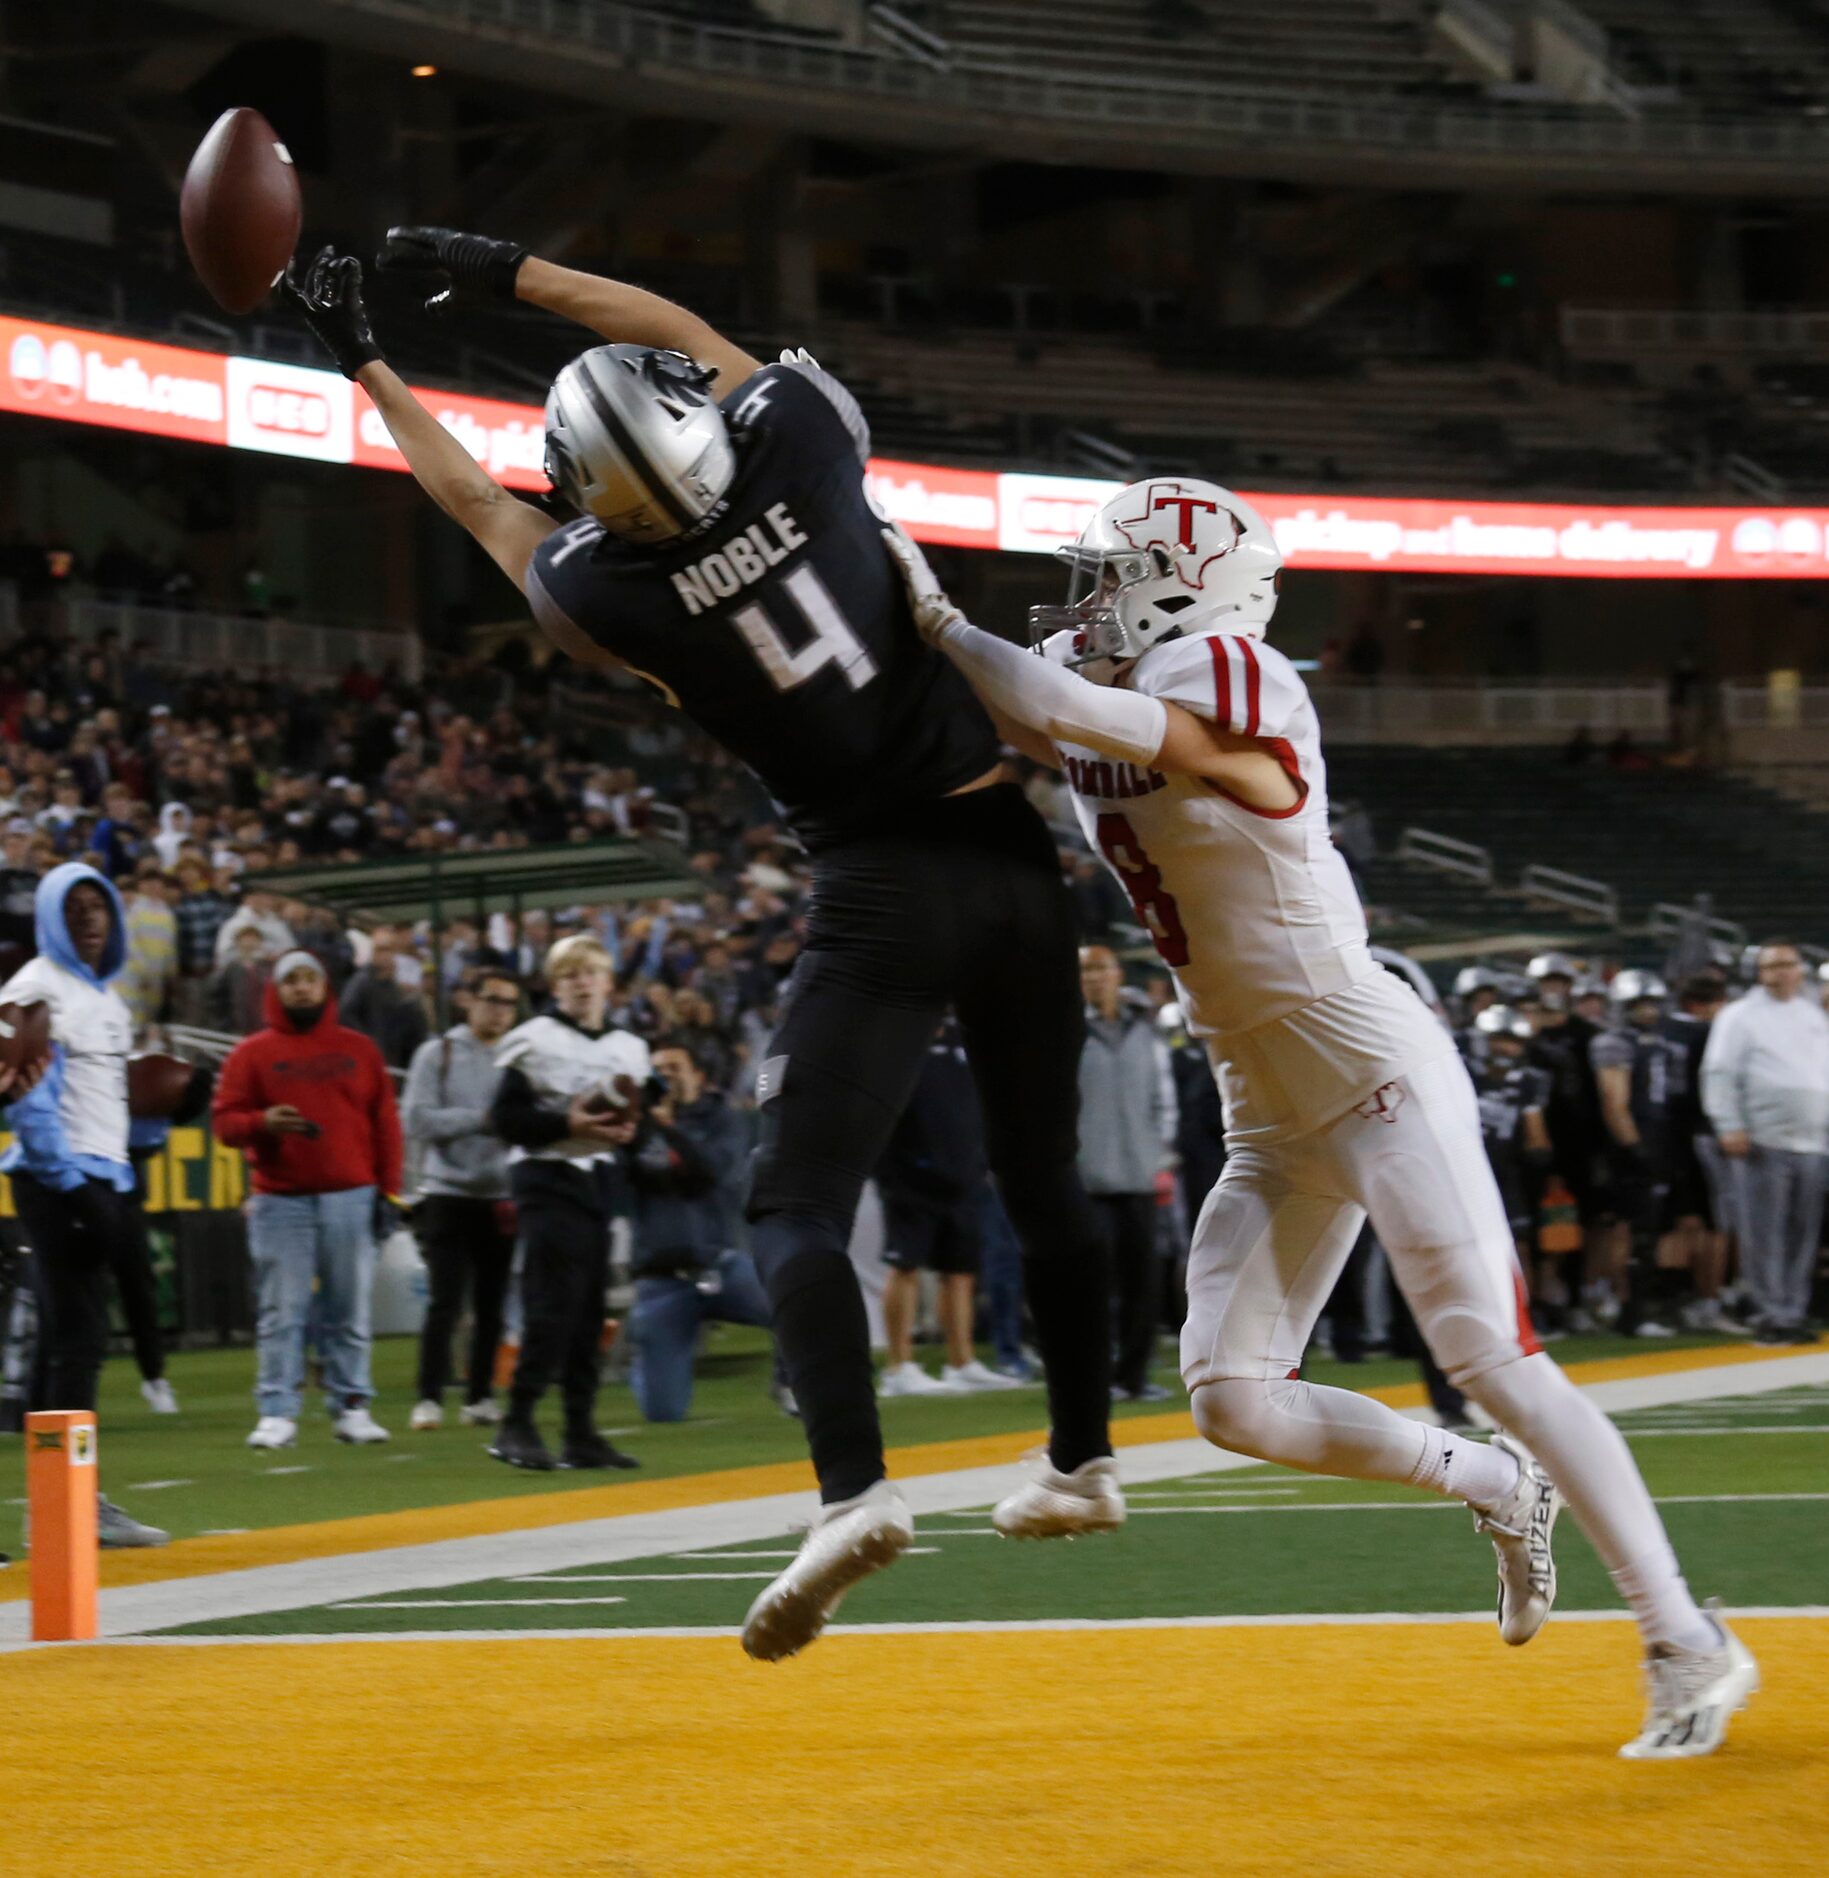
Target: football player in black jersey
[726, 550]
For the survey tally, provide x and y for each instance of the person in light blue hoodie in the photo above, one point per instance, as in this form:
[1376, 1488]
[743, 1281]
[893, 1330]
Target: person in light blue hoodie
[70, 1170]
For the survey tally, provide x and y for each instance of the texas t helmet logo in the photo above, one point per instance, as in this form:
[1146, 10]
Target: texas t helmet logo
[1166, 521]
[1383, 1103]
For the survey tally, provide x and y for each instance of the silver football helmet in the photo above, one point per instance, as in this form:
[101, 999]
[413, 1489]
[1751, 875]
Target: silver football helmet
[1472, 978]
[1500, 1020]
[1635, 987]
[1170, 558]
[635, 438]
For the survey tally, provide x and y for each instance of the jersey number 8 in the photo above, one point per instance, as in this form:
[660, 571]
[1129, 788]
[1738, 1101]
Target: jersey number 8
[833, 640]
[1153, 903]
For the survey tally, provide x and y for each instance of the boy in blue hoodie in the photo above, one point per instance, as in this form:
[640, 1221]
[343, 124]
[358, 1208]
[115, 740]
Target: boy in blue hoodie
[69, 1164]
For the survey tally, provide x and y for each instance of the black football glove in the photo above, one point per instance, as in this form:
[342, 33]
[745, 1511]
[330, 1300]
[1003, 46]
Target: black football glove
[446, 260]
[328, 295]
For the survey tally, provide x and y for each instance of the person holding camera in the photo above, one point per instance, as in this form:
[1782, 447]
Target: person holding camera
[687, 1167]
[567, 1104]
[464, 1216]
[309, 1102]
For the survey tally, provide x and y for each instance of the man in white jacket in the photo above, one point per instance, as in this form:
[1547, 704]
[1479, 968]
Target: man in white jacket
[72, 1179]
[1765, 1086]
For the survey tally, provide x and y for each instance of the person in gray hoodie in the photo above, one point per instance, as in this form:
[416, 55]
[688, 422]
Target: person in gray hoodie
[1128, 1118]
[464, 1217]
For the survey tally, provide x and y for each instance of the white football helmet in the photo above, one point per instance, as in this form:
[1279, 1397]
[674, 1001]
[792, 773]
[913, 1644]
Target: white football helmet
[1169, 558]
[635, 437]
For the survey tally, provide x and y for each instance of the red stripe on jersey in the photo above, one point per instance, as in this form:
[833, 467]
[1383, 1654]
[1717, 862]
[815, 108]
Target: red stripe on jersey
[1251, 686]
[1222, 682]
[1527, 1331]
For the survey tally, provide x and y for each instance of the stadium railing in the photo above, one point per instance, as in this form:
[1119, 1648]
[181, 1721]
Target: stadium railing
[1422, 847]
[1575, 893]
[1770, 707]
[230, 642]
[1488, 713]
[483, 881]
[590, 42]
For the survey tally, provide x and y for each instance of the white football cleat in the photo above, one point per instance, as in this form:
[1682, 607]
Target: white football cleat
[1520, 1528]
[974, 1379]
[1053, 1505]
[912, 1379]
[484, 1414]
[425, 1415]
[159, 1397]
[853, 1539]
[274, 1431]
[1692, 1696]
[357, 1426]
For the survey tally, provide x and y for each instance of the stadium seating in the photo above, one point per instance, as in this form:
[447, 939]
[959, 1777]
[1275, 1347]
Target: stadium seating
[1397, 426]
[1342, 46]
[1739, 55]
[1654, 835]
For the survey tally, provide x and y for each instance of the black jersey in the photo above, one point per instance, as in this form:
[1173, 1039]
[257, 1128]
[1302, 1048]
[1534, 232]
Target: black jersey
[783, 628]
[1658, 1068]
[1507, 1093]
[1690, 1035]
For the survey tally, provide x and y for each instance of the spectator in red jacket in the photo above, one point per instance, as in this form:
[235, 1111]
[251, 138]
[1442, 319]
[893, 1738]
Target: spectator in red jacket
[310, 1102]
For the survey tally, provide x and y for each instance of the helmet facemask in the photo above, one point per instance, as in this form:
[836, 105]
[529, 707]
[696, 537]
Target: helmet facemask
[1096, 580]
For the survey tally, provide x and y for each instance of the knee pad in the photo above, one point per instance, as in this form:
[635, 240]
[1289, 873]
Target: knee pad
[1515, 1391]
[1245, 1415]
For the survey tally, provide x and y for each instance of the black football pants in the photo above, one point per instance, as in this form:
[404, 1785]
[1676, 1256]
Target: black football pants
[71, 1255]
[962, 905]
[565, 1269]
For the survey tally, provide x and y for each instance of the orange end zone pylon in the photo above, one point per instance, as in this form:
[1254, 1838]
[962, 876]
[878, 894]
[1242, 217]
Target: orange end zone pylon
[61, 1495]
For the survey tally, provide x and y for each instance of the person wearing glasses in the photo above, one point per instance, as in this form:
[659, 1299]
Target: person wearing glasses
[464, 1217]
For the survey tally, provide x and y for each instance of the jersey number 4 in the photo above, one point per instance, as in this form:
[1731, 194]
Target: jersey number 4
[1154, 904]
[833, 640]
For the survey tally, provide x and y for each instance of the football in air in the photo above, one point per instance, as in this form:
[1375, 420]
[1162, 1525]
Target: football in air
[240, 210]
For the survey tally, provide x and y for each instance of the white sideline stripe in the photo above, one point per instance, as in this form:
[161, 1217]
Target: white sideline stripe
[1305, 1620]
[461, 1604]
[729, 1557]
[259, 1590]
[1738, 1428]
[154, 1486]
[1457, 1506]
[628, 1578]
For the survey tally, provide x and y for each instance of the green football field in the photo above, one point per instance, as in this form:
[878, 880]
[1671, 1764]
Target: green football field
[1743, 1483]
[193, 1474]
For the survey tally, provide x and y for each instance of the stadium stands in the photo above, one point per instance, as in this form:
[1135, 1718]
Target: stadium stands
[1353, 47]
[1653, 834]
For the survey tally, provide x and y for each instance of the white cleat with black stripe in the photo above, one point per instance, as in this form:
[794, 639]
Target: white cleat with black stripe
[1521, 1529]
[1693, 1695]
[853, 1539]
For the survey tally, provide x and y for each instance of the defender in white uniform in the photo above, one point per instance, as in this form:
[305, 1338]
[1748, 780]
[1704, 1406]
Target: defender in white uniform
[1194, 756]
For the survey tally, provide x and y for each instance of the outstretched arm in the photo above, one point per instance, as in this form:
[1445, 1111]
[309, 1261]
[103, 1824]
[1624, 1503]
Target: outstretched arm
[449, 260]
[328, 294]
[1049, 698]
[506, 527]
[632, 315]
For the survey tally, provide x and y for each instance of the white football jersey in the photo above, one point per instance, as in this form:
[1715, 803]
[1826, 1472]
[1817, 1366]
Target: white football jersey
[1253, 909]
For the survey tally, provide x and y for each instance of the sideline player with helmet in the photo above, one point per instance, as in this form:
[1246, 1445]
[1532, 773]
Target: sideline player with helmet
[1639, 1074]
[1194, 756]
[726, 550]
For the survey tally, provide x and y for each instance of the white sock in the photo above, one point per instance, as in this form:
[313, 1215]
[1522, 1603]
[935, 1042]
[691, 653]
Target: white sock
[1473, 1471]
[1655, 1592]
[1588, 1459]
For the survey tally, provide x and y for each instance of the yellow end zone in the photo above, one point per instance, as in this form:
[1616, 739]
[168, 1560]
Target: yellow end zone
[374, 1532]
[1379, 1752]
